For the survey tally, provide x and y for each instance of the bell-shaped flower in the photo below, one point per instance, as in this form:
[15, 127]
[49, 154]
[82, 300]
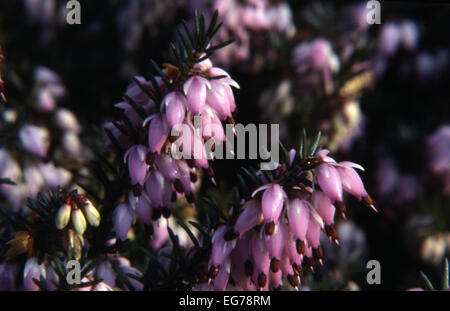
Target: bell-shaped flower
[195, 89]
[329, 181]
[249, 217]
[158, 131]
[272, 202]
[35, 139]
[174, 104]
[123, 217]
[298, 215]
[137, 165]
[351, 182]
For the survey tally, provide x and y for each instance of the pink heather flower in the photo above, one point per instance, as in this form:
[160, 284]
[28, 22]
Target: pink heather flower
[32, 270]
[167, 166]
[174, 104]
[249, 217]
[212, 126]
[219, 98]
[260, 255]
[154, 188]
[389, 39]
[409, 35]
[221, 280]
[298, 215]
[45, 100]
[135, 92]
[195, 89]
[329, 181]
[221, 249]
[66, 121]
[105, 272]
[158, 131]
[123, 217]
[143, 208]
[272, 202]
[324, 207]
[137, 165]
[313, 233]
[35, 140]
[351, 182]
[275, 244]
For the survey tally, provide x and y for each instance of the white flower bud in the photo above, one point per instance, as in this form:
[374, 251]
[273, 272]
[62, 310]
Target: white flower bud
[63, 216]
[91, 213]
[78, 221]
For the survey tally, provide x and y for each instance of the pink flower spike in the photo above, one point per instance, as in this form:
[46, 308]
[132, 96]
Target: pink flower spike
[195, 90]
[175, 107]
[329, 180]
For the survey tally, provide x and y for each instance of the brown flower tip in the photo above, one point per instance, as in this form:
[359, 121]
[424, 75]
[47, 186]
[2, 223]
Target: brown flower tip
[275, 265]
[269, 228]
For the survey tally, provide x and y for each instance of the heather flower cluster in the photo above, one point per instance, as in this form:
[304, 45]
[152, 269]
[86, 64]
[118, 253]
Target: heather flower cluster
[132, 196]
[59, 140]
[152, 112]
[278, 231]
[251, 23]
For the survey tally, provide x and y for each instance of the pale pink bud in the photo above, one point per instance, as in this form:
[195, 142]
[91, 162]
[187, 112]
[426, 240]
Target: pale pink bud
[221, 280]
[275, 242]
[158, 131]
[313, 233]
[351, 182]
[272, 202]
[195, 90]
[144, 209]
[324, 207]
[32, 270]
[122, 218]
[154, 187]
[66, 121]
[249, 217]
[329, 180]
[220, 249]
[35, 139]
[167, 166]
[105, 272]
[219, 99]
[175, 105]
[137, 165]
[298, 215]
